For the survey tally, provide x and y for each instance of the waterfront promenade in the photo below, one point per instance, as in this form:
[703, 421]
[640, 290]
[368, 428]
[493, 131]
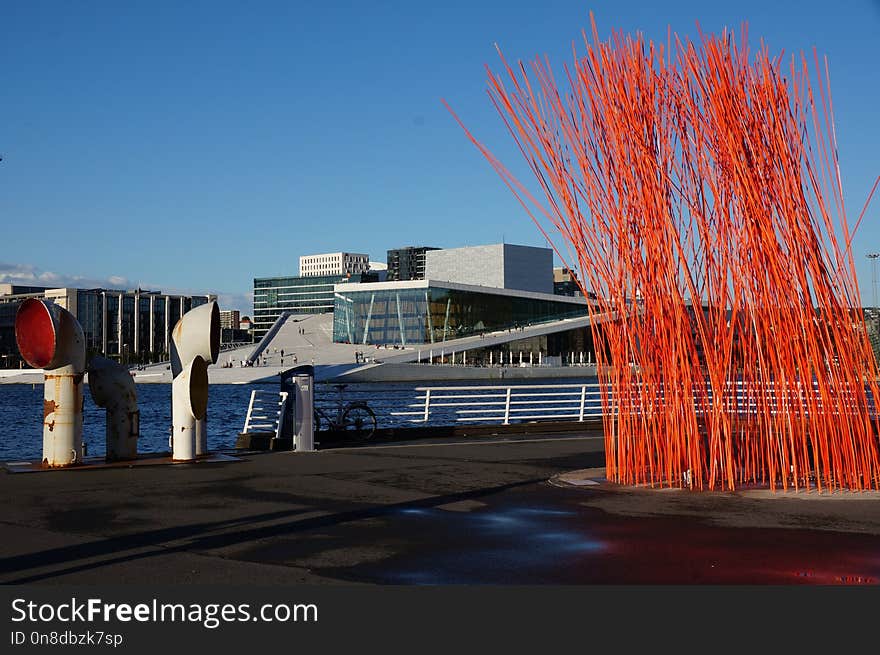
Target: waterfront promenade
[428, 512]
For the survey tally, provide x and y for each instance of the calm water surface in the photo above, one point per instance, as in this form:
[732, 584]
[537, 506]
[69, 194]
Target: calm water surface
[21, 419]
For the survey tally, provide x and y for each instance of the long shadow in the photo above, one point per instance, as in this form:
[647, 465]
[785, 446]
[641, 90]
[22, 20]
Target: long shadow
[128, 542]
[156, 538]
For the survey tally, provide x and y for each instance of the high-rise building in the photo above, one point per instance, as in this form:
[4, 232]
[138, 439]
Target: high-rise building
[230, 319]
[230, 327]
[407, 263]
[333, 263]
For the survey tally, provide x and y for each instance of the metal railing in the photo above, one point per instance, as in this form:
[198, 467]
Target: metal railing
[505, 403]
[580, 402]
[512, 403]
[234, 345]
[265, 412]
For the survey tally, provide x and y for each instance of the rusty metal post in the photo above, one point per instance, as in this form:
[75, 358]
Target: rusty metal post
[113, 388]
[195, 336]
[49, 337]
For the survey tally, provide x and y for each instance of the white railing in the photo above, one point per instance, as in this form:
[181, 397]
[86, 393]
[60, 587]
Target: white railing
[505, 403]
[580, 402]
[265, 412]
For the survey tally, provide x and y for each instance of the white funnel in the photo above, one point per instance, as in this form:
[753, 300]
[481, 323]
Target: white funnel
[196, 333]
[195, 336]
[189, 404]
[50, 337]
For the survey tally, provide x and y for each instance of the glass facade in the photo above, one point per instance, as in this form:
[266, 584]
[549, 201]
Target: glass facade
[89, 311]
[159, 326]
[112, 324]
[301, 295]
[142, 342]
[128, 319]
[435, 314]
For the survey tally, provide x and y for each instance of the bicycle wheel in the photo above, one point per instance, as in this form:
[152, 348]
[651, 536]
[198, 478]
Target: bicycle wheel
[359, 422]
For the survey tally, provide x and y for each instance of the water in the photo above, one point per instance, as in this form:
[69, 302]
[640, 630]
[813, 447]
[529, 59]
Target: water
[21, 413]
[21, 419]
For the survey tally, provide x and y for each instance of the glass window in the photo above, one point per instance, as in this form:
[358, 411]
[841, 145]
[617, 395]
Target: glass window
[89, 313]
[159, 325]
[112, 324]
[128, 318]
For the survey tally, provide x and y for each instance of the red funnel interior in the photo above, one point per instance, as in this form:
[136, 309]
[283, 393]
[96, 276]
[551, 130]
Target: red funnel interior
[35, 333]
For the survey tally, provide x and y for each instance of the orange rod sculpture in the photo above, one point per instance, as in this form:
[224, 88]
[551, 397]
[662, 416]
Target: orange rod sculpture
[696, 186]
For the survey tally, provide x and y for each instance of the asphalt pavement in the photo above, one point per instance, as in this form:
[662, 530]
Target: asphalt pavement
[454, 511]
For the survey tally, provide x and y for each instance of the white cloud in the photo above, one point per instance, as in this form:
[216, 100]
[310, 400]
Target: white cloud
[243, 302]
[17, 274]
[29, 275]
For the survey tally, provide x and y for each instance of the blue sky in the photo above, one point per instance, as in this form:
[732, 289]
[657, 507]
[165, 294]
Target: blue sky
[195, 145]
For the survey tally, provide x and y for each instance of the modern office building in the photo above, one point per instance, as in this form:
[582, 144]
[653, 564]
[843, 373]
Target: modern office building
[433, 311]
[333, 263]
[129, 326]
[312, 294]
[230, 327]
[9, 356]
[501, 265]
[230, 319]
[17, 289]
[407, 263]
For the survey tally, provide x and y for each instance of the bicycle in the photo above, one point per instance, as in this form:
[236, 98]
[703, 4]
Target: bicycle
[356, 418]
